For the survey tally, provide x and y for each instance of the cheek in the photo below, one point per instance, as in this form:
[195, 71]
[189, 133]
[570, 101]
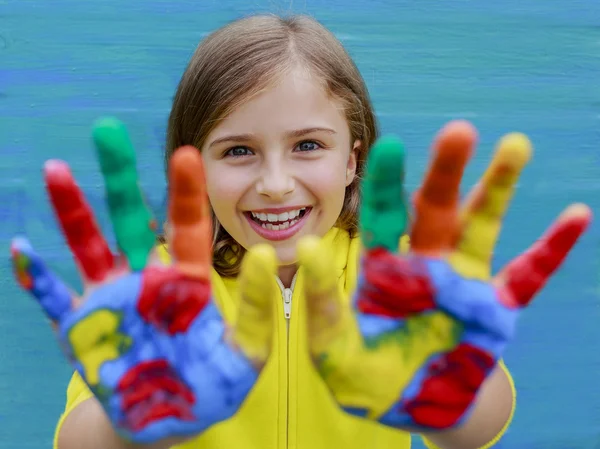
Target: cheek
[327, 182]
[223, 192]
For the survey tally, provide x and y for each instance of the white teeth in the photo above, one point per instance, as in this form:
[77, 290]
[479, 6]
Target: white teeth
[284, 220]
[261, 216]
[274, 218]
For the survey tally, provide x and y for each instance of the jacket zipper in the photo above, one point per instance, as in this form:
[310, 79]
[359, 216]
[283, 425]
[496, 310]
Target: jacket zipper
[286, 294]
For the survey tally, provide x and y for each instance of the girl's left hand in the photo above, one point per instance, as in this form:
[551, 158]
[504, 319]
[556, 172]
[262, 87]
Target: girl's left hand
[426, 328]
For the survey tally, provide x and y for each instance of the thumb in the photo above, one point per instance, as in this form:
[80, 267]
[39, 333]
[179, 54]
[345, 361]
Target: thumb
[328, 315]
[253, 329]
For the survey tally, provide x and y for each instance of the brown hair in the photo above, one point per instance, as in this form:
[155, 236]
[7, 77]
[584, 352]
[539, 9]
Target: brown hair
[240, 60]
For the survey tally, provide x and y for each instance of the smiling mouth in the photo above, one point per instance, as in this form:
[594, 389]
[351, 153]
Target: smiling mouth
[278, 226]
[278, 222]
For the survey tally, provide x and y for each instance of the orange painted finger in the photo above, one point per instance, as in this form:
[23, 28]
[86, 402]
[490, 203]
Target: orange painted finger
[189, 216]
[436, 202]
[525, 276]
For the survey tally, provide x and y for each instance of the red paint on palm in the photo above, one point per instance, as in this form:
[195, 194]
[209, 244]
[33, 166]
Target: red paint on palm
[528, 273]
[450, 387]
[77, 222]
[394, 286]
[152, 391]
[170, 300]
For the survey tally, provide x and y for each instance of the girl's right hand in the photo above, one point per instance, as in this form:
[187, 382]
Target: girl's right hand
[148, 338]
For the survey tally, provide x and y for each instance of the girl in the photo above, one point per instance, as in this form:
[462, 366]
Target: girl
[284, 123]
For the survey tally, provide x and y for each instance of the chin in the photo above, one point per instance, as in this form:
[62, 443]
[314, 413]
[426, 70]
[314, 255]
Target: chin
[286, 253]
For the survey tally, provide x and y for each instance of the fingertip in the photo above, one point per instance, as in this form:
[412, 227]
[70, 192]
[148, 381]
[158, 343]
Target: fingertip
[104, 130]
[579, 212]
[57, 174]
[387, 156]
[317, 260]
[186, 168]
[20, 243]
[307, 247]
[458, 133]
[515, 148]
[104, 125]
[113, 146]
[22, 255]
[262, 255]
[56, 166]
[185, 155]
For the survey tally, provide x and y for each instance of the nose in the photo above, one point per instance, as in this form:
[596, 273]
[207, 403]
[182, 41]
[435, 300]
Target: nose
[275, 181]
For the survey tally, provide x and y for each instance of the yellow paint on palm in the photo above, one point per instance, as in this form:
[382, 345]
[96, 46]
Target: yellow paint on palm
[96, 339]
[373, 374]
[485, 207]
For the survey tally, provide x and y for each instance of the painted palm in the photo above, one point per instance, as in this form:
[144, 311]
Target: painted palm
[427, 327]
[147, 338]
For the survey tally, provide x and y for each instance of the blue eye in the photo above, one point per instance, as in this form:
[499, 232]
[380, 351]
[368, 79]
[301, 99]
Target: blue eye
[307, 146]
[238, 152]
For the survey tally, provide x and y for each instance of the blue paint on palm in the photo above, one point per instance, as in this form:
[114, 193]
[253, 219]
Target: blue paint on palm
[488, 323]
[107, 340]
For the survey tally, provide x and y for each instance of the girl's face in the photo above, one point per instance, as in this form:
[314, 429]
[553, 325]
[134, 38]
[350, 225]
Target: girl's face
[277, 167]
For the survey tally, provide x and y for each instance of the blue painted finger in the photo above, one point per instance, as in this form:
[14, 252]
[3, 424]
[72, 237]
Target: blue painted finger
[34, 276]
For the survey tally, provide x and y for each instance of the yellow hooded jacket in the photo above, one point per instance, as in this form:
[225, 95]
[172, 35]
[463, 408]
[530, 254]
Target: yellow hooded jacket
[290, 406]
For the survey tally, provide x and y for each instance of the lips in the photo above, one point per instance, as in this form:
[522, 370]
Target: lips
[152, 391]
[277, 225]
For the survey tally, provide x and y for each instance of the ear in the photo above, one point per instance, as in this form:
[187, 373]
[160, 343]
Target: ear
[351, 165]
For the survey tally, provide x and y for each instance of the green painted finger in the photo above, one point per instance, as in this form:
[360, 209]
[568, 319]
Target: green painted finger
[130, 216]
[384, 211]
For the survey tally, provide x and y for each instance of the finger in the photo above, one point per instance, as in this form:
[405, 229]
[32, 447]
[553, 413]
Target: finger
[253, 329]
[485, 207]
[384, 210]
[131, 218]
[76, 219]
[189, 217]
[34, 276]
[436, 202]
[527, 274]
[328, 316]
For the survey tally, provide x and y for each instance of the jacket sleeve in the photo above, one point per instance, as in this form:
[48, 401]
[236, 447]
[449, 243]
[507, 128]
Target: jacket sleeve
[498, 437]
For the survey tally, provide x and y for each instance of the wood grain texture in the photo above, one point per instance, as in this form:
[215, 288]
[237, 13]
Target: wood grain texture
[523, 65]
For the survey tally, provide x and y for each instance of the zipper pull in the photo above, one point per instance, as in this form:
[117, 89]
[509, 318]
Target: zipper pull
[287, 303]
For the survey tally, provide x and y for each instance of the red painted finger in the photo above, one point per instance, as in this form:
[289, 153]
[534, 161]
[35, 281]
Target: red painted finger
[76, 219]
[522, 278]
[436, 202]
[189, 216]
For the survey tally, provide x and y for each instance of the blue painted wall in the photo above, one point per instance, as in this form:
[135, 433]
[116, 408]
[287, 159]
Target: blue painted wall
[525, 65]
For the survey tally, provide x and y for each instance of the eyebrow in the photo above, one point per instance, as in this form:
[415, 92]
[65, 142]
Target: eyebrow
[238, 138]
